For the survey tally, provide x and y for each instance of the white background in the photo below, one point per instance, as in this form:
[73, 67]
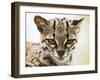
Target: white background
[5, 40]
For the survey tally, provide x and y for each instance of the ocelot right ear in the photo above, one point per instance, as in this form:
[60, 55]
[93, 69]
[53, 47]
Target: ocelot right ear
[41, 23]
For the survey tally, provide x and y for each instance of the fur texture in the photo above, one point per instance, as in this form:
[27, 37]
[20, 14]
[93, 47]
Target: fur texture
[59, 37]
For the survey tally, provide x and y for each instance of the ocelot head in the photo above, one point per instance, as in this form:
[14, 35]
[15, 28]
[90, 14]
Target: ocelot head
[58, 37]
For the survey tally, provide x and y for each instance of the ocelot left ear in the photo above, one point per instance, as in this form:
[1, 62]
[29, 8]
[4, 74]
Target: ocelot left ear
[77, 22]
[40, 22]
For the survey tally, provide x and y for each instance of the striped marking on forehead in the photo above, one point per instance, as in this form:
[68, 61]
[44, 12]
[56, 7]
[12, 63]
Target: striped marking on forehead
[59, 23]
[53, 25]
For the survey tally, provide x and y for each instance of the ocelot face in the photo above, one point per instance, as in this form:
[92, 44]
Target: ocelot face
[59, 37]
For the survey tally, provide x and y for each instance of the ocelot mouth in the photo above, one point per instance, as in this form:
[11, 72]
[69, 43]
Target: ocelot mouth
[61, 60]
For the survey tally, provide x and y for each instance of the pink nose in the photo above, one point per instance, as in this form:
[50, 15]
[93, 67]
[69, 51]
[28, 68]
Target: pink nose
[60, 53]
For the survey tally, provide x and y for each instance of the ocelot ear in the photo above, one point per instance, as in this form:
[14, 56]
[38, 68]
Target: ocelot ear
[76, 25]
[77, 22]
[40, 22]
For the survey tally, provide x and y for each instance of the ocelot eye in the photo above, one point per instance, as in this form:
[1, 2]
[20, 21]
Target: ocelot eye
[69, 41]
[51, 41]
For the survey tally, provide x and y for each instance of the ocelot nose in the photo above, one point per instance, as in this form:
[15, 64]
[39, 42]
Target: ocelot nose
[60, 53]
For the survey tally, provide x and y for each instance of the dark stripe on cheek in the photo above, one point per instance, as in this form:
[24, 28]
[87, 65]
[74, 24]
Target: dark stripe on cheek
[68, 49]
